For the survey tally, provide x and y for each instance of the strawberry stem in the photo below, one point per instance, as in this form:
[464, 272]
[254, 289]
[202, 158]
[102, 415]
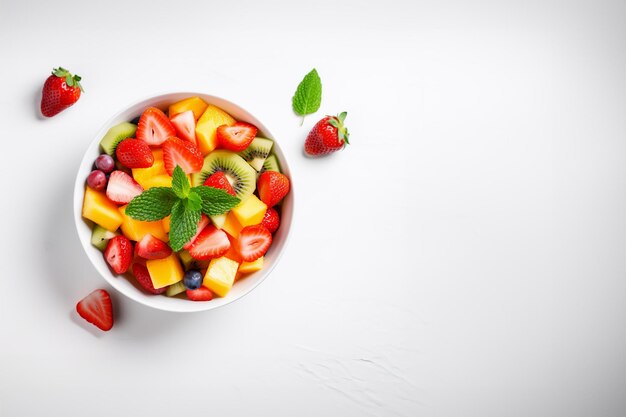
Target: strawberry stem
[302, 121]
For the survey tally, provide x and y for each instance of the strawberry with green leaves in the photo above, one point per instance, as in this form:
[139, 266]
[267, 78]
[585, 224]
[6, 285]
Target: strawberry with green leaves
[327, 136]
[60, 91]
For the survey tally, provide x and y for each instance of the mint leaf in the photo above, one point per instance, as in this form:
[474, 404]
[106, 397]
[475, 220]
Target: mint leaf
[308, 95]
[180, 182]
[183, 225]
[151, 205]
[214, 200]
[193, 201]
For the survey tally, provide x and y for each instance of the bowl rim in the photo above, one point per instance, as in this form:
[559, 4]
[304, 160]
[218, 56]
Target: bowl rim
[79, 186]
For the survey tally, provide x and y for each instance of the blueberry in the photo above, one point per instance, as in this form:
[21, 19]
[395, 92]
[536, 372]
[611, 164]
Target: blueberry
[193, 279]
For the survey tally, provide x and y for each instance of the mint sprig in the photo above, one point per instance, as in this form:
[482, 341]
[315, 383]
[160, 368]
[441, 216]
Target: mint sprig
[183, 203]
[308, 96]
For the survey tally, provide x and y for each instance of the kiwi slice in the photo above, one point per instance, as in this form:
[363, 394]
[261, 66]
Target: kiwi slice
[256, 152]
[271, 164]
[115, 135]
[191, 263]
[240, 175]
[175, 289]
[100, 237]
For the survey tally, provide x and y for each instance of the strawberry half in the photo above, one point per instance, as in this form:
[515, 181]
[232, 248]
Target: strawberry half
[119, 254]
[154, 127]
[210, 243]
[152, 248]
[201, 294]
[122, 188]
[253, 242]
[185, 125]
[134, 153]
[236, 137]
[219, 180]
[142, 275]
[271, 220]
[183, 153]
[272, 186]
[97, 309]
[204, 221]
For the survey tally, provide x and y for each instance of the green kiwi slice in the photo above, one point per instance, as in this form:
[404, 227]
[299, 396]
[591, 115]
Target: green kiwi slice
[175, 289]
[115, 135]
[271, 164]
[100, 237]
[240, 175]
[256, 152]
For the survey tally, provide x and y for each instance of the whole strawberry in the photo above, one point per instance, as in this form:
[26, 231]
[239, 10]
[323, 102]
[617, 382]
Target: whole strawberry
[327, 136]
[60, 91]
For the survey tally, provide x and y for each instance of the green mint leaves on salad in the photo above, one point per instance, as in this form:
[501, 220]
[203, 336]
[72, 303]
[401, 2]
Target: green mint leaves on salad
[184, 203]
[308, 96]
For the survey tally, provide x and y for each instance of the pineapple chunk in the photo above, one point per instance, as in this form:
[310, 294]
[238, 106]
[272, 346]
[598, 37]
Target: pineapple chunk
[220, 275]
[195, 104]
[250, 212]
[232, 225]
[166, 271]
[136, 229]
[99, 209]
[211, 119]
[249, 267]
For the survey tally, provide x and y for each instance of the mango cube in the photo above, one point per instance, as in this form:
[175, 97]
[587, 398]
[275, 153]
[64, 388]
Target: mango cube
[166, 223]
[250, 211]
[166, 271]
[100, 210]
[136, 229]
[145, 176]
[232, 225]
[249, 267]
[212, 118]
[220, 275]
[195, 104]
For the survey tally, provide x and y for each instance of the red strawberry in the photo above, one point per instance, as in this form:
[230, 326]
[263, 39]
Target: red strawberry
[142, 275]
[210, 243]
[122, 188]
[134, 153]
[253, 242]
[271, 220]
[185, 125]
[97, 309]
[119, 254]
[60, 91]
[327, 136]
[154, 127]
[236, 137]
[152, 248]
[204, 221]
[272, 186]
[233, 251]
[201, 294]
[183, 153]
[219, 180]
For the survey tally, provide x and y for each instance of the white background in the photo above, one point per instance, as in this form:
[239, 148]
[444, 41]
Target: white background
[463, 257]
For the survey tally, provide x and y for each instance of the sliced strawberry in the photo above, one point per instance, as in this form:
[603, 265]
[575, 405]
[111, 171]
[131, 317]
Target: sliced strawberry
[185, 125]
[152, 248]
[201, 294]
[119, 254]
[210, 243]
[219, 180]
[183, 153]
[142, 275]
[204, 221]
[253, 242]
[122, 188]
[97, 309]
[236, 137]
[233, 251]
[271, 220]
[272, 186]
[154, 127]
[134, 153]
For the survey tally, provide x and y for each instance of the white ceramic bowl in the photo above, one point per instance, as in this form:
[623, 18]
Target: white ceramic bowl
[125, 285]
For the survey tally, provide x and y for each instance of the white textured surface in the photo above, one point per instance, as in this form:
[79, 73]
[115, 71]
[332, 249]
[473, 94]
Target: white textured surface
[464, 257]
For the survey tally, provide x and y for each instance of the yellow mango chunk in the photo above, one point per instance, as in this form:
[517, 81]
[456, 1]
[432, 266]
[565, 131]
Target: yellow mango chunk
[212, 118]
[136, 229]
[249, 267]
[232, 225]
[100, 210]
[158, 181]
[220, 275]
[195, 104]
[166, 223]
[250, 211]
[145, 176]
[166, 271]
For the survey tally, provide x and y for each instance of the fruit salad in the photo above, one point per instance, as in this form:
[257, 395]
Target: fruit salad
[185, 201]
